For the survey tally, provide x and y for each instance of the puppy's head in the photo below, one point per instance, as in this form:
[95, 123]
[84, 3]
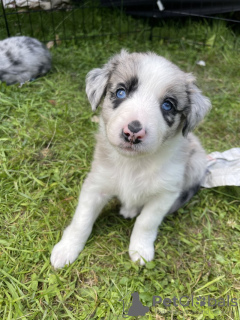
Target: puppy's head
[147, 101]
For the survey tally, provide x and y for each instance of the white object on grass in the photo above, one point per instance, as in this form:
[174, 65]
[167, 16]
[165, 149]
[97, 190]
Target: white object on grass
[223, 169]
[201, 63]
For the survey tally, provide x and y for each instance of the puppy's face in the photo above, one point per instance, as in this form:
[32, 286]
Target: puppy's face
[147, 101]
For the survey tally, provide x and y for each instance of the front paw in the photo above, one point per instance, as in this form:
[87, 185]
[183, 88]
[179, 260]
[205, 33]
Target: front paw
[141, 252]
[64, 252]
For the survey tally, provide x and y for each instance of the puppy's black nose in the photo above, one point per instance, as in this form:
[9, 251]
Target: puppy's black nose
[135, 126]
[133, 132]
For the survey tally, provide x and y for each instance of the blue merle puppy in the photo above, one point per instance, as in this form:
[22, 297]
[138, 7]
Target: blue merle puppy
[23, 59]
[145, 155]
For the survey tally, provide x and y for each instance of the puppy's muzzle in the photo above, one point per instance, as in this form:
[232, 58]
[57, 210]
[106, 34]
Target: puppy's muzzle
[133, 132]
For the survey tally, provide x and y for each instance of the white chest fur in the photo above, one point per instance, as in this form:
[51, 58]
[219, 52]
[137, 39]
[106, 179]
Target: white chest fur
[135, 180]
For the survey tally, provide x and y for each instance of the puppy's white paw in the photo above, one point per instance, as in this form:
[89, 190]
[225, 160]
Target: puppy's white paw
[128, 213]
[140, 252]
[64, 252]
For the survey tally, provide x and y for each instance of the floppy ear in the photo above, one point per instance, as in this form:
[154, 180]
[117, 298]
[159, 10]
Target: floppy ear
[97, 79]
[96, 82]
[199, 105]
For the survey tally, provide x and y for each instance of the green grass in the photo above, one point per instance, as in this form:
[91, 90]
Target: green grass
[46, 146]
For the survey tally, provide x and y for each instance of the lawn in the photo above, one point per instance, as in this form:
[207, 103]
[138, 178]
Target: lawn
[46, 147]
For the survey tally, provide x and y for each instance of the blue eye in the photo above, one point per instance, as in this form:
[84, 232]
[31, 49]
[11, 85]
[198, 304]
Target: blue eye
[167, 106]
[121, 93]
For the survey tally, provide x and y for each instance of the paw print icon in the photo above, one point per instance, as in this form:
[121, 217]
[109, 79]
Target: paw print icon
[201, 301]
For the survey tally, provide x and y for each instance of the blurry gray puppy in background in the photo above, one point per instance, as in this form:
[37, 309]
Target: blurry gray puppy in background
[23, 59]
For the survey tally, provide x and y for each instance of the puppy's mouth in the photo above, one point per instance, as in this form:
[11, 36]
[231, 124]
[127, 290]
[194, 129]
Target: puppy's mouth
[129, 147]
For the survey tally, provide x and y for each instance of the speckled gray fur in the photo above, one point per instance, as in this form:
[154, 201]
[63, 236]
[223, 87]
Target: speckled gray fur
[23, 59]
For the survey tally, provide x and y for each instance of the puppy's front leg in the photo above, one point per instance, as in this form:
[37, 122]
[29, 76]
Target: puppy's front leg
[146, 227]
[90, 204]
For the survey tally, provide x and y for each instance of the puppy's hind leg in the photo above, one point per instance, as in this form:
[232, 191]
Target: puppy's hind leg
[91, 202]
